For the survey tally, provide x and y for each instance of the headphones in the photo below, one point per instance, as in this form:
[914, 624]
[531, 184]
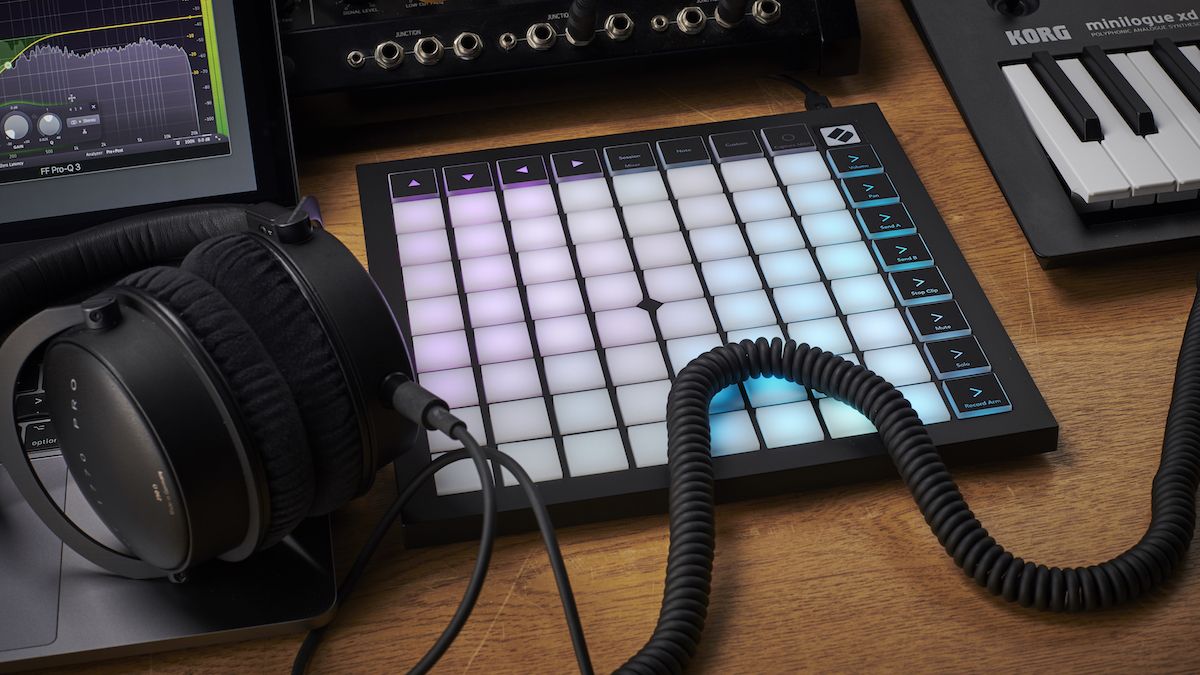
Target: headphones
[204, 410]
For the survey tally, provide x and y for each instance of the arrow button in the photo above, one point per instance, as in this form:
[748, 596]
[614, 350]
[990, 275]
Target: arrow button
[468, 178]
[521, 171]
[30, 407]
[900, 254]
[938, 321]
[853, 161]
[576, 165]
[977, 396]
[413, 185]
[960, 357]
[920, 288]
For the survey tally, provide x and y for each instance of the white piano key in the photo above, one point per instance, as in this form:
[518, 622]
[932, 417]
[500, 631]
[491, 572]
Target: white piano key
[666, 284]
[614, 291]
[685, 318]
[585, 195]
[557, 298]
[511, 381]
[595, 453]
[658, 250]
[693, 181]
[764, 204]
[652, 218]
[631, 364]
[455, 387]
[566, 373]
[733, 275]
[748, 174]
[1192, 52]
[474, 209]
[643, 403]
[717, 243]
[418, 216]
[706, 211]
[1146, 173]
[538, 457]
[604, 257]
[435, 315]
[536, 234]
[487, 274]
[585, 411]
[590, 226]
[429, 281]
[480, 241]
[520, 420]
[423, 248]
[1085, 167]
[773, 236]
[639, 188]
[789, 268]
[529, 202]
[1178, 122]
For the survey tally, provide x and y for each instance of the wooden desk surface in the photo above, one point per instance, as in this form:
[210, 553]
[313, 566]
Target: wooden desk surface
[844, 579]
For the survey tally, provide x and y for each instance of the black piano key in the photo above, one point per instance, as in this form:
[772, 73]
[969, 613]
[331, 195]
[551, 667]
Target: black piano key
[1181, 70]
[1123, 96]
[1079, 114]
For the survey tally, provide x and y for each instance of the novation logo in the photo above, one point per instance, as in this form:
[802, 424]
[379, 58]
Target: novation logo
[1033, 36]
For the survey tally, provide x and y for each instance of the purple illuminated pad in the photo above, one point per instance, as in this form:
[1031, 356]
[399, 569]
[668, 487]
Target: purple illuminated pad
[554, 293]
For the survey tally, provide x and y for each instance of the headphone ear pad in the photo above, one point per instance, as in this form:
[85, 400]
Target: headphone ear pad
[258, 285]
[264, 403]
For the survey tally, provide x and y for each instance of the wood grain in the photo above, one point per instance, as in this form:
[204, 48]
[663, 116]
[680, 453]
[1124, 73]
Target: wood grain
[840, 580]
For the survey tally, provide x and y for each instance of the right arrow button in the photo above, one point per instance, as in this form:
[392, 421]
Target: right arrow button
[938, 321]
[920, 287]
[977, 396]
[960, 357]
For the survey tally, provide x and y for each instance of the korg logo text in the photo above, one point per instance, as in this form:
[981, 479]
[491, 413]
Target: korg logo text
[1032, 36]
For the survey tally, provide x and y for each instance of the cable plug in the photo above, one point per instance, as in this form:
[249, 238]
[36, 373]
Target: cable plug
[419, 405]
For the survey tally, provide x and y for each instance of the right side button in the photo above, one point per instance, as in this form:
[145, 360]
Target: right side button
[961, 357]
[977, 396]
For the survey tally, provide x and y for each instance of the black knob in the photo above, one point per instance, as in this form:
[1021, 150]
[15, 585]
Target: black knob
[1015, 7]
[102, 313]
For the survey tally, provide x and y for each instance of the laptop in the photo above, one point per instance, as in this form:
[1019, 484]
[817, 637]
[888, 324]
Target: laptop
[209, 126]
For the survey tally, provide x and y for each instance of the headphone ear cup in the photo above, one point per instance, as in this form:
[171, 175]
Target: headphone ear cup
[253, 280]
[264, 404]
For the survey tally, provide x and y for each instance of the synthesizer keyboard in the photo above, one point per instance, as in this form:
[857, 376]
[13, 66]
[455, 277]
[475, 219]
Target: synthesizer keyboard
[1088, 114]
[553, 292]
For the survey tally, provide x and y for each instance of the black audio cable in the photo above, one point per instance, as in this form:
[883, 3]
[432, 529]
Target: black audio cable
[1139, 570]
[730, 13]
[581, 22]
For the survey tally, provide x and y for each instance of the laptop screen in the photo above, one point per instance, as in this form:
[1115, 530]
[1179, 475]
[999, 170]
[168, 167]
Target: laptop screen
[109, 104]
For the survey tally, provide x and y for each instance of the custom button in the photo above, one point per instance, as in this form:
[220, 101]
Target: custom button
[683, 152]
[900, 254]
[468, 178]
[961, 357]
[843, 134]
[870, 191]
[977, 396]
[630, 158]
[523, 171]
[787, 140]
[736, 145]
[880, 222]
[920, 287]
[413, 185]
[576, 165]
[854, 160]
[941, 321]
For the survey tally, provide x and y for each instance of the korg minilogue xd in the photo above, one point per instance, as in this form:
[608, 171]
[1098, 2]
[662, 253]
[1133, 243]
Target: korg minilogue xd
[1087, 112]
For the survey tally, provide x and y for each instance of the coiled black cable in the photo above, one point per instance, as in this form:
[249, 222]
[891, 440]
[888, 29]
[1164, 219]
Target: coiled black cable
[1135, 572]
